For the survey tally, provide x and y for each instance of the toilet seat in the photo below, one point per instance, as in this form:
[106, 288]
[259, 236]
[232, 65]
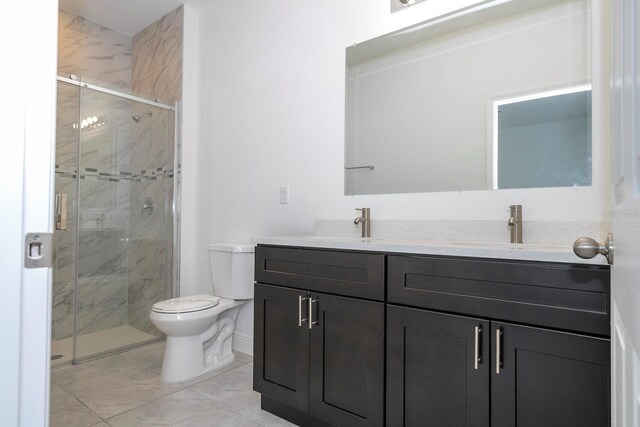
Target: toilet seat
[186, 304]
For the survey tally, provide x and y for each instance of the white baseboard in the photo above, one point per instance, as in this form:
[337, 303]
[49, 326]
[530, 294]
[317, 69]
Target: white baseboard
[243, 343]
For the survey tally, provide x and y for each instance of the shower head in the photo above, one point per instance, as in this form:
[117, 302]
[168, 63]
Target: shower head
[139, 117]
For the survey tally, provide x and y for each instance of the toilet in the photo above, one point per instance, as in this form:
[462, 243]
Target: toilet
[199, 328]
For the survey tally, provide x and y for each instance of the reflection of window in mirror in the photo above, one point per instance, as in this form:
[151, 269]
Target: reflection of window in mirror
[542, 139]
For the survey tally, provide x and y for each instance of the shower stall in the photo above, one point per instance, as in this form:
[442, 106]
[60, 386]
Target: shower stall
[116, 184]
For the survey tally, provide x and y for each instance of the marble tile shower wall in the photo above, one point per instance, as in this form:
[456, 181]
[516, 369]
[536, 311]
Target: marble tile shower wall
[90, 50]
[103, 221]
[124, 254]
[156, 71]
[156, 68]
[87, 48]
[102, 228]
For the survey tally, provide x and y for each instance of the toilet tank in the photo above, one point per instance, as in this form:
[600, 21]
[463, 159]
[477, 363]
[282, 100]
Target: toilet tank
[231, 267]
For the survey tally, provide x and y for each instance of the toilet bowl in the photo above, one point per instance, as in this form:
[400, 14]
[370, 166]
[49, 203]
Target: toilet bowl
[199, 328]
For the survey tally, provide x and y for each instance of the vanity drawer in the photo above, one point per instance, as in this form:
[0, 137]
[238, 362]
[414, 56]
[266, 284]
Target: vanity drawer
[342, 273]
[563, 296]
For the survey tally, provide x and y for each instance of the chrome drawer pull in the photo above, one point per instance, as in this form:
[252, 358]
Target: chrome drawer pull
[477, 359]
[498, 350]
[311, 321]
[300, 319]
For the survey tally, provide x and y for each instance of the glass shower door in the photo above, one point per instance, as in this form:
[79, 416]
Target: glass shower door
[151, 213]
[103, 208]
[113, 257]
[122, 210]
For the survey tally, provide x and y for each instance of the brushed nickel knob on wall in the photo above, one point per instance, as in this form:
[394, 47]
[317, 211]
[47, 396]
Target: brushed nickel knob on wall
[586, 247]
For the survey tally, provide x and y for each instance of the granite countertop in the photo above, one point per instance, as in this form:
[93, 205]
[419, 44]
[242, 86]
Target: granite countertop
[527, 252]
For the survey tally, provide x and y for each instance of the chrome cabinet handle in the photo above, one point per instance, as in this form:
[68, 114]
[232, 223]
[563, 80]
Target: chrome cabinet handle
[477, 358]
[311, 321]
[300, 319]
[498, 350]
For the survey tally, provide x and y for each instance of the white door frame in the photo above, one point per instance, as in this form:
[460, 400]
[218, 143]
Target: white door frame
[29, 40]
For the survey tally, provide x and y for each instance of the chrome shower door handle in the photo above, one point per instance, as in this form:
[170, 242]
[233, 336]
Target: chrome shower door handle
[61, 211]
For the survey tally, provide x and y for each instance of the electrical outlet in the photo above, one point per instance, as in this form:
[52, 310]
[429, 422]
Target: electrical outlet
[284, 195]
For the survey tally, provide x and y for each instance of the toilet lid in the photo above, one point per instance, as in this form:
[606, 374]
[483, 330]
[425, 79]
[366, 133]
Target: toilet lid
[186, 304]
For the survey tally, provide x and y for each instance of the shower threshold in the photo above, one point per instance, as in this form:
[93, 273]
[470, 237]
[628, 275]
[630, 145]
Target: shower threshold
[95, 343]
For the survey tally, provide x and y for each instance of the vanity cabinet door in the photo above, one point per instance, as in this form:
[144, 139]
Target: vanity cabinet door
[437, 369]
[281, 346]
[548, 378]
[347, 361]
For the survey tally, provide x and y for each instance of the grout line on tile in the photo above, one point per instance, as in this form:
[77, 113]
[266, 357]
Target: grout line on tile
[146, 403]
[83, 404]
[139, 364]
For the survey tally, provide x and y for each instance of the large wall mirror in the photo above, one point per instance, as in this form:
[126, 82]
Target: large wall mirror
[495, 96]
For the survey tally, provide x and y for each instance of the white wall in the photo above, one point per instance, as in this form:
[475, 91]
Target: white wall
[191, 72]
[272, 113]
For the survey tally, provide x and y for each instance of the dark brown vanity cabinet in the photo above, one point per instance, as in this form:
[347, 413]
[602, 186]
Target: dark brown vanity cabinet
[281, 353]
[548, 378]
[458, 370]
[318, 357]
[437, 369]
[450, 370]
[405, 340]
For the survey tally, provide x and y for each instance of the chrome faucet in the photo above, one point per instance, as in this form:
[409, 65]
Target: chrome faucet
[515, 223]
[365, 220]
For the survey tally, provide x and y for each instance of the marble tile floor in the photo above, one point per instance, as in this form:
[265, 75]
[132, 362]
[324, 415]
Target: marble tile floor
[126, 390]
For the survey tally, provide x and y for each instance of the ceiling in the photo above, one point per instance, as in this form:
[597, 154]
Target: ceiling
[124, 16]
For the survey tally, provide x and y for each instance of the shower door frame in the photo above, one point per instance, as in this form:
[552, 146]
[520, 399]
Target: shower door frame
[86, 85]
[174, 208]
